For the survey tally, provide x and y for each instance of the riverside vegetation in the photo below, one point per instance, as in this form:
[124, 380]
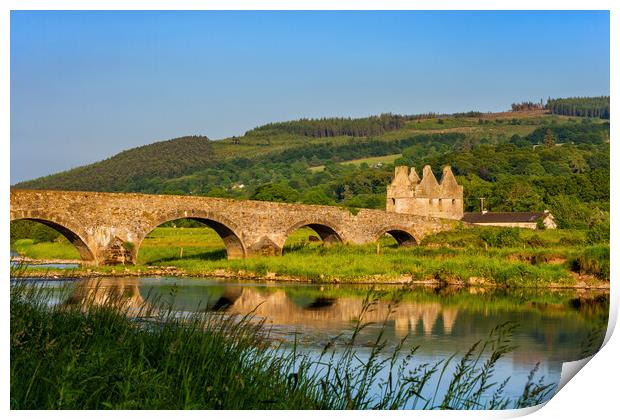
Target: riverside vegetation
[477, 256]
[94, 356]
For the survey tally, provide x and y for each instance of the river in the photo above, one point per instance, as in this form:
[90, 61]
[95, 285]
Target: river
[552, 327]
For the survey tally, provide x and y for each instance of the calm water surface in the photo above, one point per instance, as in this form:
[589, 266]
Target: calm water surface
[17, 263]
[552, 327]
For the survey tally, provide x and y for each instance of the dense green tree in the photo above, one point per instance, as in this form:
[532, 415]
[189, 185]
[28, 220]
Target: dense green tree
[599, 228]
[33, 230]
[569, 212]
[218, 192]
[549, 140]
[275, 192]
[514, 194]
[316, 195]
[596, 107]
[332, 127]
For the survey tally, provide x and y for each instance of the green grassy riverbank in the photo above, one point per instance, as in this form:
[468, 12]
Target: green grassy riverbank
[477, 257]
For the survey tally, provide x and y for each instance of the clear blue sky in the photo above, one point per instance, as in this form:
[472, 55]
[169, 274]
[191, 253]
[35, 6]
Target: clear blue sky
[87, 85]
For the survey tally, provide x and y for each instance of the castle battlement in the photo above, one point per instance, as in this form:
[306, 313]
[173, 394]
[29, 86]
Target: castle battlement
[425, 197]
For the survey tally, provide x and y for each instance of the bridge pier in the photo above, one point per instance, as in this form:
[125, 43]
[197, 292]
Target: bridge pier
[263, 247]
[119, 252]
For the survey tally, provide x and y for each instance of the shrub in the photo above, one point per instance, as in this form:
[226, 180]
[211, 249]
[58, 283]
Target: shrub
[594, 260]
[536, 241]
[599, 233]
[129, 246]
[503, 237]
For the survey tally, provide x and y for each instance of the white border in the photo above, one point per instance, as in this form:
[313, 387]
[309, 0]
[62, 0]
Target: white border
[592, 394]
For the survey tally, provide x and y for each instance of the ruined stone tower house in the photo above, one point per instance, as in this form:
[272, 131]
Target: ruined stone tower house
[425, 197]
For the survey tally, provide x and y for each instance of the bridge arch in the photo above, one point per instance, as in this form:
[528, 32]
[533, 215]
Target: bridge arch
[73, 233]
[327, 230]
[403, 236]
[224, 227]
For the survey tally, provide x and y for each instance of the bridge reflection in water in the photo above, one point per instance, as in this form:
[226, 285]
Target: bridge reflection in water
[552, 327]
[441, 323]
[276, 305]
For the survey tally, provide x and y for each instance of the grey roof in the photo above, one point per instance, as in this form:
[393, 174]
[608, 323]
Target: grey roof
[504, 217]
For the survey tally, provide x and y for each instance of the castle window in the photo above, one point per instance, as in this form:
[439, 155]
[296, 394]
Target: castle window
[430, 201]
[453, 201]
[393, 201]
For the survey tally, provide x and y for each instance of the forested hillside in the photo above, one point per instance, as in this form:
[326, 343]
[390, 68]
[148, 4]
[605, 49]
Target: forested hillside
[333, 127]
[517, 161]
[163, 160]
[597, 107]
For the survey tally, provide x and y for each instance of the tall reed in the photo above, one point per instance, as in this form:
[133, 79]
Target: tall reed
[93, 354]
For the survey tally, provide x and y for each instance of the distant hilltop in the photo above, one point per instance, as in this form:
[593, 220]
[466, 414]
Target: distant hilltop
[592, 107]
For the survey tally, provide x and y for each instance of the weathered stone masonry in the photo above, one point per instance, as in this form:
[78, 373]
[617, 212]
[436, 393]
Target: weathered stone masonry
[108, 228]
[425, 197]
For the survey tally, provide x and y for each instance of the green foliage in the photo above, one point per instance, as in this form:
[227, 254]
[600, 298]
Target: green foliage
[63, 358]
[599, 231]
[595, 107]
[127, 170]
[584, 132]
[444, 258]
[38, 232]
[469, 114]
[514, 194]
[503, 237]
[59, 249]
[333, 127]
[129, 246]
[316, 196]
[482, 237]
[535, 241]
[569, 212]
[373, 201]
[275, 192]
[549, 140]
[593, 260]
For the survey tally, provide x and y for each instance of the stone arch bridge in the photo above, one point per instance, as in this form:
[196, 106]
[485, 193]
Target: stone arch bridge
[108, 228]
